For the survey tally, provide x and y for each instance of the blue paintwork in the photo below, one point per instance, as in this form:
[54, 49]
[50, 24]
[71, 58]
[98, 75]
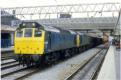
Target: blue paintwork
[5, 43]
[60, 41]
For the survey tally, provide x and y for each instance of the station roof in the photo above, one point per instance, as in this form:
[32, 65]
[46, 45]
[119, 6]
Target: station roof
[83, 16]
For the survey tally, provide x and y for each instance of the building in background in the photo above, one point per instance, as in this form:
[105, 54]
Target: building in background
[7, 32]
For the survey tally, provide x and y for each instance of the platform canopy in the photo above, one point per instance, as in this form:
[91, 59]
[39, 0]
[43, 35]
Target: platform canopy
[102, 16]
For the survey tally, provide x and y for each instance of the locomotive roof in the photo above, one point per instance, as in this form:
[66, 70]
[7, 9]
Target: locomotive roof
[37, 25]
[44, 27]
[50, 28]
[72, 32]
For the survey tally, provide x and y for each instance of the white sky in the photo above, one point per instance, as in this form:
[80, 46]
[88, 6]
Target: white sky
[22, 3]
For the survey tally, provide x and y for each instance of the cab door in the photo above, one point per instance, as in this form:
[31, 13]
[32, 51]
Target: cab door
[48, 42]
[38, 41]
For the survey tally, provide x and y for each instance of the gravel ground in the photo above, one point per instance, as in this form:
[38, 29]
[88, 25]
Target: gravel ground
[61, 70]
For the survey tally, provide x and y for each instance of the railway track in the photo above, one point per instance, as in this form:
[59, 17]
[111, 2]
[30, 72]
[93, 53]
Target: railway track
[8, 61]
[63, 70]
[5, 55]
[11, 70]
[69, 77]
[29, 73]
[20, 74]
[6, 58]
[5, 66]
[81, 72]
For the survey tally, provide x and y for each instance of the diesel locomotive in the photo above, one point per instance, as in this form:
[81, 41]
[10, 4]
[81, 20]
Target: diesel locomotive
[36, 44]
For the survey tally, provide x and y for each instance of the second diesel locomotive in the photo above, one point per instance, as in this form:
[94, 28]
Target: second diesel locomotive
[37, 44]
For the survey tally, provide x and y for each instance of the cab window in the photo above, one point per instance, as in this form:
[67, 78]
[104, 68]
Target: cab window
[38, 33]
[19, 33]
[28, 33]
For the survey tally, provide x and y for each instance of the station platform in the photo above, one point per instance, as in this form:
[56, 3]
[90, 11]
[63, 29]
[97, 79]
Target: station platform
[7, 49]
[110, 69]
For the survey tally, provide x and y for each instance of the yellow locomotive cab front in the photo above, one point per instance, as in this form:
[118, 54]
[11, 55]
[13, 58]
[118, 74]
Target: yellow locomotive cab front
[29, 41]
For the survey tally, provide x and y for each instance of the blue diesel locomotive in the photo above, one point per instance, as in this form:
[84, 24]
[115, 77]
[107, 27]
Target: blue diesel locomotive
[37, 44]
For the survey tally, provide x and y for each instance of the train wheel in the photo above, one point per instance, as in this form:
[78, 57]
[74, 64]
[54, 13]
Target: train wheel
[47, 59]
[50, 58]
